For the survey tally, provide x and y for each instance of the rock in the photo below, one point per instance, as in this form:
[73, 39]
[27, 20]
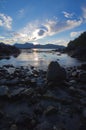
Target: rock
[50, 110]
[72, 82]
[44, 126]
[4, 90]
[17, 92]
[12, 82]
[71, 88]
[28, 92]
[84, 112]
[74, 74]
[82, 77]
[55, 72]
[1, 114]
[14, 127]
[83, 66]
[38, 109]
[3, 81]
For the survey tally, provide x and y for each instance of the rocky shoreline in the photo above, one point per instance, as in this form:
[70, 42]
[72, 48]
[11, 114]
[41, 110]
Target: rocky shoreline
[7, 50]
[32, 99]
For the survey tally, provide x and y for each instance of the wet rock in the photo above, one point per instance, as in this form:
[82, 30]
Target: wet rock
[4, 90]
[55, 72]
[50, 110]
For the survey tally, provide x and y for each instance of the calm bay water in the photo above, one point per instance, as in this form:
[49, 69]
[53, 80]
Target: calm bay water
[40, 58]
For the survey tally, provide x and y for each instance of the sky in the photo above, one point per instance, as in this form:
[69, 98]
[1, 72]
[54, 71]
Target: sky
[41, 21]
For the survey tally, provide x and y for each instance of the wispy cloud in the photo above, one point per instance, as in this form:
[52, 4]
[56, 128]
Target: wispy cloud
[5, 21]
[67, 15]
[84, 12]
[21, 13]
[37, 30]
[75, 34]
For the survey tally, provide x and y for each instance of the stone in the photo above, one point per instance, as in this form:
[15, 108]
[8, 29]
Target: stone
[44, 126]
[84, 112]
[3, 81]
[72, 82]
[82, 77]
[55, 72]
[12, 82]
[13, 127]
[4, 90]
[83, 66]
[17, 92]
[28, 92]
[50, 110]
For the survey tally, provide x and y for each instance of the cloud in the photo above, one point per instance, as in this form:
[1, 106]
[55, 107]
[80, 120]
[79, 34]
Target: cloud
[67, 15]
[39, 29]
[21, 13]
[75, 34]
[84, 12]
[5, 21]
[49, 28]
[1, 37]
[61, 42]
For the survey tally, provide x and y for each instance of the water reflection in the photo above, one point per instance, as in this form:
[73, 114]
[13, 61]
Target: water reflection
[41, 59]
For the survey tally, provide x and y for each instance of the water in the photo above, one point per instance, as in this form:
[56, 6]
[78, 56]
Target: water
[40, 58]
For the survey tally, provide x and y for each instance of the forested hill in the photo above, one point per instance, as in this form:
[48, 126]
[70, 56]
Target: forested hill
[6, 50]
[77, 47]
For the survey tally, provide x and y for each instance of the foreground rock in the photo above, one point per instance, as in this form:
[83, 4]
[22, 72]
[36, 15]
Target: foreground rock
[55, 72]
[27, 103]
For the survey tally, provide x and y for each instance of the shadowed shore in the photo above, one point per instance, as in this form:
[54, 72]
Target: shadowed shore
[43, 100]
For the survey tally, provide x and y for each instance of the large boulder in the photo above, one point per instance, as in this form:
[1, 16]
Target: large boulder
[55, 72]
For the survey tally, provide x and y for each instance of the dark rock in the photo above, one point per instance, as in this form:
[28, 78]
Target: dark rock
[28, 92]
[82, 77]
[12, 82]
[50, 110]
[3, 81]
[1, 114]
[44, 126]
[84, 112]
[4, 90]
[83, 66]
[55, 72]
[17, 92]
[13, 127]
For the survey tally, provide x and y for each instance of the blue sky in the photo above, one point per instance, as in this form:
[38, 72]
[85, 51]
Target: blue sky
[41, 21]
